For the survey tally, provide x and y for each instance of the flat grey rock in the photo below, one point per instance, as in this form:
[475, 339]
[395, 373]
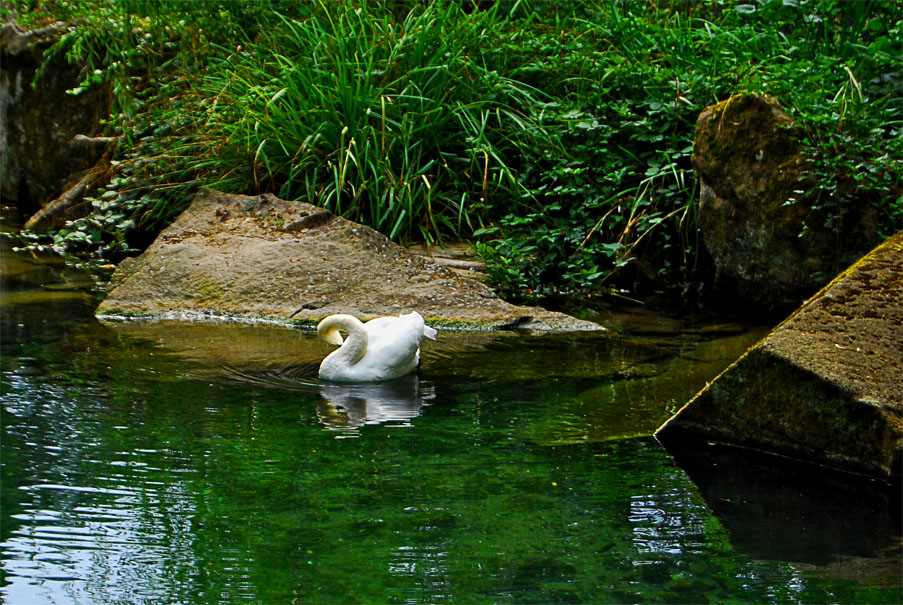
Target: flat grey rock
[235, 257]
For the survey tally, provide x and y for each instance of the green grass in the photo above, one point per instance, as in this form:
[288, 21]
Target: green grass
[558, 135]
[393, 124]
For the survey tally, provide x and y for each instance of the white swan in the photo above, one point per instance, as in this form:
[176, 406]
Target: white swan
[381, 349]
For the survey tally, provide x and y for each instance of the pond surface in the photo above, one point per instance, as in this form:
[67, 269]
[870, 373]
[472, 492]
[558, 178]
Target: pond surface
[201, 463]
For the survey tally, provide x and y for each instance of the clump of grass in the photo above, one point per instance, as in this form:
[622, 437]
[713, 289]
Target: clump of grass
[396, 124]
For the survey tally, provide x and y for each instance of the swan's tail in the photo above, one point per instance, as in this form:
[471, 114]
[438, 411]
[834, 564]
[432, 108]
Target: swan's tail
[428, 332]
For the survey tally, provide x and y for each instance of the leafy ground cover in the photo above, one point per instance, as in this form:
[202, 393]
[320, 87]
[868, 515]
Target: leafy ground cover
[556, 135]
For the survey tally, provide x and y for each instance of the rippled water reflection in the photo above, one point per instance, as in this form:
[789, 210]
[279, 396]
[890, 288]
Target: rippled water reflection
[154, 462]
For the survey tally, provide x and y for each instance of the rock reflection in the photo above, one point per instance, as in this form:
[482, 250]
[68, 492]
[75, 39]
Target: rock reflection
[779, 509]
[349, 406]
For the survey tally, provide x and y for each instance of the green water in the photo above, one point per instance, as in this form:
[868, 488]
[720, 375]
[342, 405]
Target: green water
[198, 463]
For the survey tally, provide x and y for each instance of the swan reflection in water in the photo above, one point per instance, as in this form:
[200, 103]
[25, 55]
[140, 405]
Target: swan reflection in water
[349, 406]
[346, 407]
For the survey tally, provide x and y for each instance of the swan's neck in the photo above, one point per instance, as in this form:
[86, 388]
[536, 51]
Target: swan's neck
[355, 345]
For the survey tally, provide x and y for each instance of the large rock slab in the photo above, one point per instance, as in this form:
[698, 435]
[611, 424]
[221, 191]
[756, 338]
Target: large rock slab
[754, 204]
[824, 386]
[263, 259]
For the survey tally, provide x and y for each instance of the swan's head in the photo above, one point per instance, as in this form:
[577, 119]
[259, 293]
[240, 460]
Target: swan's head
[330, 334]
[329, 328]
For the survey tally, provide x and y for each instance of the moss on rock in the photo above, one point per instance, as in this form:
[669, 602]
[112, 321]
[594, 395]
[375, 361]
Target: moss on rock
[753, 205]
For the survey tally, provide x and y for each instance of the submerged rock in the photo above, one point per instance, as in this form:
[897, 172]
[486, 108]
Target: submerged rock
[824, 386]
[266, 259]
[753, 207]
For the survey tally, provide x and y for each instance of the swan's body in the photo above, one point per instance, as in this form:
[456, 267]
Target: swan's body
[381, 349]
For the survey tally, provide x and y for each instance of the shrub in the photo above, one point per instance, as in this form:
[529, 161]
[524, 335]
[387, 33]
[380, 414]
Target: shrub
[632, 79]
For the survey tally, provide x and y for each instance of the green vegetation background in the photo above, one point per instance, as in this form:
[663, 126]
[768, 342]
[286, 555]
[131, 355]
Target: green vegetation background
[556, 134]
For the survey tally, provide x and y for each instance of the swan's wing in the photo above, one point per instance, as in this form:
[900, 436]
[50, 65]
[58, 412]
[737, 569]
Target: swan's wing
[394, 339]
[381, 325]
[393, 347]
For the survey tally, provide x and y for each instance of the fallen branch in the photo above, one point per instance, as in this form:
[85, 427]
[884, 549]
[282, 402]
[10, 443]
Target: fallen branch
[77, 192]
[81, 141]
[68, 198]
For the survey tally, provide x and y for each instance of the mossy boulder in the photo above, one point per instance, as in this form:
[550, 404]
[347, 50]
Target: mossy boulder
[768, 244]
[260, 258]
[826, 385]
